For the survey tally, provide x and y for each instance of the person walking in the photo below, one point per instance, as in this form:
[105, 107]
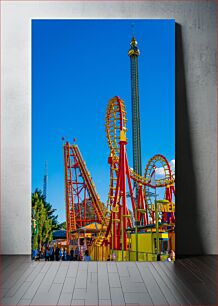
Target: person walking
[77, 252]
[51, 254]
[65, 255]
[61, 253]
[36, 254]
[71, 254]
[87, 256]
[47, 254]
[57, 254]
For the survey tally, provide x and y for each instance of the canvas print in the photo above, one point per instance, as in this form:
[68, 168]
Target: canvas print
[103, 140]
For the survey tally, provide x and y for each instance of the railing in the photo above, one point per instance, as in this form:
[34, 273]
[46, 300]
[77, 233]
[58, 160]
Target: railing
[119, 255]
[99, 253]
[104, 253]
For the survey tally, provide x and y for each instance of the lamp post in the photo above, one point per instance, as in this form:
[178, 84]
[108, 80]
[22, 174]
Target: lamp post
[136, 233]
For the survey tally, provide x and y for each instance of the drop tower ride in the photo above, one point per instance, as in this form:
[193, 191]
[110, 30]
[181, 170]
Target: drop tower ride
[136, 138]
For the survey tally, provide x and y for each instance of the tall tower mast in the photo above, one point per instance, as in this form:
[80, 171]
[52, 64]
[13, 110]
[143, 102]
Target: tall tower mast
[133, 54]
[45, 180]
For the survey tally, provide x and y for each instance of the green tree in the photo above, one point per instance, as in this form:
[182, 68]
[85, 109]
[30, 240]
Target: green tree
[49, 209]
[63, 225]
[43, 216]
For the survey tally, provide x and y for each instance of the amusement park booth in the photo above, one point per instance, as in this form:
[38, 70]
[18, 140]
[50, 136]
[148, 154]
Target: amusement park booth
[146, 245]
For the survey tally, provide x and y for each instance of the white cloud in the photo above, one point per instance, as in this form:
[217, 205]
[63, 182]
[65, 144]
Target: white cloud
[172, 164]
[160, 171]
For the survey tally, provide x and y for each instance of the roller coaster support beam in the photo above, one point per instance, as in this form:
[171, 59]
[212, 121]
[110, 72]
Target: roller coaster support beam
[120, 198]
[142, 214]
[123, 190]
[156, 223]
[70, 212]
[120, 214]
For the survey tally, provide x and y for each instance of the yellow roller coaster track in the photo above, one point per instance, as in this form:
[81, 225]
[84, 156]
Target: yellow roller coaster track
[115, 123]
[91, 187]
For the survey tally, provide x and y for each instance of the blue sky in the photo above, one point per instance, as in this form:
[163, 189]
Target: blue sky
[77, 66]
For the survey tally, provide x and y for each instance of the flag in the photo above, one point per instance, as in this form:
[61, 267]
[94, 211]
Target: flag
[153, 181]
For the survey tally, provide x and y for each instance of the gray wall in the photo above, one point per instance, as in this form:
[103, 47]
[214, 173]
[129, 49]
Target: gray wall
[196, 202]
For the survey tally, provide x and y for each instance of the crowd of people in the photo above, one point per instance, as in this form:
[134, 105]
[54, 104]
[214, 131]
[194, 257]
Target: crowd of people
[79, 253]
[61, 254]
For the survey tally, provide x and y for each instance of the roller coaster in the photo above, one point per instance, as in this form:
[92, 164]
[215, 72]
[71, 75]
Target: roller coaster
[129, 210]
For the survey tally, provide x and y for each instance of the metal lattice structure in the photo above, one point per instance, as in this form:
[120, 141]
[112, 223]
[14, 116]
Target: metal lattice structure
[167, 181]
[83, 205]
[122, 178]
[136, 139]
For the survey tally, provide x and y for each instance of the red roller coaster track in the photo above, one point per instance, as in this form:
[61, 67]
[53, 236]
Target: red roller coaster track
[81, 196]
[83, 204]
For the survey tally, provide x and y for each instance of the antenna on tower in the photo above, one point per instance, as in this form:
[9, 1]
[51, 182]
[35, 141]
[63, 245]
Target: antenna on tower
[45, 180]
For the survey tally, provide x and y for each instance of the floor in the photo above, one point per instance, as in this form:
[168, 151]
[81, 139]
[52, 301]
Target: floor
[188, 281]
